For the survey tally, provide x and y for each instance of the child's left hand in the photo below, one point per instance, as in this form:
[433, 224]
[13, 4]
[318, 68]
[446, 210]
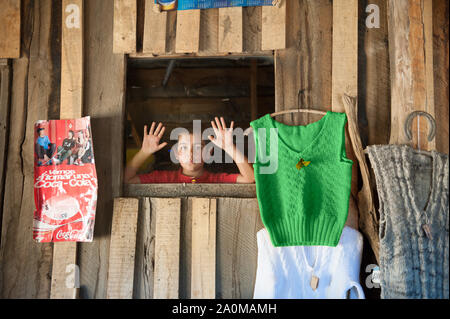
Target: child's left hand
[224, 135]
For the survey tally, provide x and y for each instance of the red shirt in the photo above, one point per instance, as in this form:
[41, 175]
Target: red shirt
[178, 177]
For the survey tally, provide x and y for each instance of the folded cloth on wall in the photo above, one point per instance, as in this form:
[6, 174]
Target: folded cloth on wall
[291, 272]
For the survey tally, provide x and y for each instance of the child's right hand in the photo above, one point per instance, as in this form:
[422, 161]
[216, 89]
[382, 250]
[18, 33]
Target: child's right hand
[150, 142]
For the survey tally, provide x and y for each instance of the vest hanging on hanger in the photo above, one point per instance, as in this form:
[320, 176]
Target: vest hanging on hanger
[414, 243]
[303, 179]
[309, 272]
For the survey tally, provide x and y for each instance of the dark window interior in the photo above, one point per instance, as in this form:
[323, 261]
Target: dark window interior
[178, 91]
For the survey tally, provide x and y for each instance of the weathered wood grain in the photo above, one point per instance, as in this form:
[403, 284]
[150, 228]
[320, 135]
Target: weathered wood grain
[374, 92]
[305, 65]
[104, 101]
[238, 221]
[63, 270]
[125, 21]
[154, 29]
[441, 73]
[209, 31]
[25, 266]
[122, 249]
[71, 95]
[274, 27]
[167, 247]
[10, 24]
[145, 251]
[252, 29]
[5, 94]
[410, 46]
[203, 255]
[188, 31]
[230, 29]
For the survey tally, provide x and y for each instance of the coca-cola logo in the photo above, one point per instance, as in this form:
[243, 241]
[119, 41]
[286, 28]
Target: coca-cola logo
[68, 235]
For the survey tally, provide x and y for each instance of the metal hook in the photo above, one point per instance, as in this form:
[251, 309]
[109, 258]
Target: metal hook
[431, 121]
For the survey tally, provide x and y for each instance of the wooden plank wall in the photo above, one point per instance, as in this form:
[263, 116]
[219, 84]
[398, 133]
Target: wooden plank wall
[305, 66]
[212, 240]
[10, 24]
[208, 32]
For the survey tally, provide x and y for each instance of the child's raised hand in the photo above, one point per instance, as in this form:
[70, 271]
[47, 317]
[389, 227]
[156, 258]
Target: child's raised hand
[224, 135]
[150, 142]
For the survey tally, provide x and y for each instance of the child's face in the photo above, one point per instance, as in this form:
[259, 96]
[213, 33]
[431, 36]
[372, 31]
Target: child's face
[42, 133]
[189, 151]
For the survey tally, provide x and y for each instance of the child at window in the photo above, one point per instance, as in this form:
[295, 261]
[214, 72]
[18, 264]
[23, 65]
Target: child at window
[189, 154]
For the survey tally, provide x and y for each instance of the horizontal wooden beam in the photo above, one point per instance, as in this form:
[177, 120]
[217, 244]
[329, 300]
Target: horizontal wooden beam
[182, 190]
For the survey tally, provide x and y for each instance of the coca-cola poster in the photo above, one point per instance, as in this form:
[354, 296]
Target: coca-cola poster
[65, 181]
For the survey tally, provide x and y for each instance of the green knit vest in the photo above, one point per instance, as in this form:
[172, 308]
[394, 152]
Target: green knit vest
[302, 206]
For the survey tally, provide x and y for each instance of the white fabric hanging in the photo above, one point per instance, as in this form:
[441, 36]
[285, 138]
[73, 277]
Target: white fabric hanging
[287, 272]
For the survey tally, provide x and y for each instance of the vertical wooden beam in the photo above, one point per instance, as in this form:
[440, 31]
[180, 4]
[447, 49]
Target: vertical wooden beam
[411, 54]
[125, 20]
[274, 27]
[441, 73]
[188, 31]
[145, 251]
[305, 64]
[203, 257]
[230, 29]
[64, 254]
[64, 268]
[167, 247]
[72, 60]
[209, 30]
[345, 52]
[122, 249]
[154, 29]
[345, 67]
[5, 81]
[254, 88]
[10, 26]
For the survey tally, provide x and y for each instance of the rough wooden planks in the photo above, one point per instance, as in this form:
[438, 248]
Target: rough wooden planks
[125, 20]
[188, 31]
[203, 250]
[122, 249]
[154, 29]
[5, 86]
[230, 29]
[10, 24]
[274, 27]
[305, 65]
[167, 247]
[104, 90]
[238, 221]
[410, 46]
[25, 266]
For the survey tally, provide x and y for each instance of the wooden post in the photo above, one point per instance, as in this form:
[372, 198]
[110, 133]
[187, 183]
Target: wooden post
[411, 55]
[64, 254]
[167, 247]
[203, 256]
[10, 29]
[122, 249]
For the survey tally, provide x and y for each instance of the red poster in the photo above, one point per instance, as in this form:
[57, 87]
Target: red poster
[65, 181]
